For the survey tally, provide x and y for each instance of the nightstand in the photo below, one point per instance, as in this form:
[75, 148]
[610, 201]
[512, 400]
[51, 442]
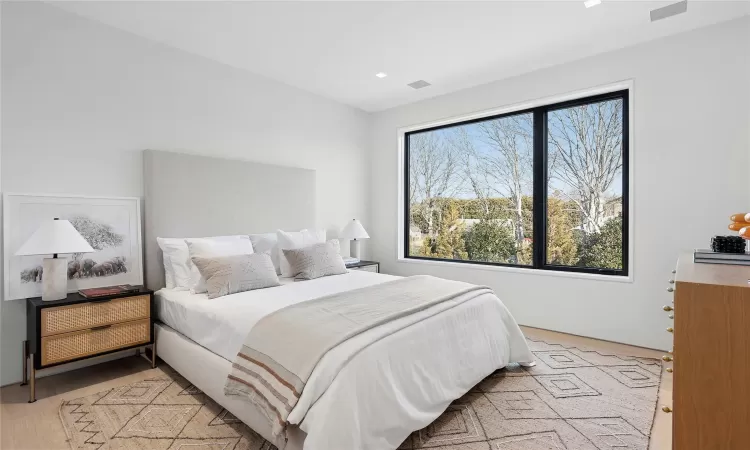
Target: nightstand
[368, 266]
[77, 328]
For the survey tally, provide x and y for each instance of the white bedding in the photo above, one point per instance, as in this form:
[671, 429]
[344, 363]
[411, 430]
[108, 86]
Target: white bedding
[221, 324]
[399, 384]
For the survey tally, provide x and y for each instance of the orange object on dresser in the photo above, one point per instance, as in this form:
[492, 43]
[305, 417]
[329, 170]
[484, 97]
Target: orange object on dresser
[737, 226]
[740, 217]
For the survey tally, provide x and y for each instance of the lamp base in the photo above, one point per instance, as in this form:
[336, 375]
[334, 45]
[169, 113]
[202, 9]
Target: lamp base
[54, 279]
[354, 248]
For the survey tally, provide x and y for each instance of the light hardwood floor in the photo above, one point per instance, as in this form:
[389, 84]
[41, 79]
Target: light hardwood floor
[37, 425]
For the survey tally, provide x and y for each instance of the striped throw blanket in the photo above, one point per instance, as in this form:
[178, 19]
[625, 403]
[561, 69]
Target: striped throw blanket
[282, 349]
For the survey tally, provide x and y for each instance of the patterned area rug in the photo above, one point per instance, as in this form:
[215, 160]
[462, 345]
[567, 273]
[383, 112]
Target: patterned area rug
[572, 399]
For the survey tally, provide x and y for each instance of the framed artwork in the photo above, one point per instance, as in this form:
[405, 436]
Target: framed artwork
[111, 225]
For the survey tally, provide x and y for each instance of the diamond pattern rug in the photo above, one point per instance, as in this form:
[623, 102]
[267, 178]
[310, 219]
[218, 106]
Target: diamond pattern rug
[572, 399]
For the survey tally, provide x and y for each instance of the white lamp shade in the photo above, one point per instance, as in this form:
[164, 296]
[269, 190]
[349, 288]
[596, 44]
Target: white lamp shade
[354, 230]
[55, 236]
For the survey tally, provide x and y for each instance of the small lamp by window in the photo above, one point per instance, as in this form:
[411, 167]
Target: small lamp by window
[54, 237]
[355, 232]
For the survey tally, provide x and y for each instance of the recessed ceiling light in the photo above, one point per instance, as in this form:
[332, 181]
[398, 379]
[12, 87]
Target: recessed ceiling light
[590, 3]
[381, 74]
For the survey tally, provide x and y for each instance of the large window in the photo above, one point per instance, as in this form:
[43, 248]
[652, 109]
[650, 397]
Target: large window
[544, 188]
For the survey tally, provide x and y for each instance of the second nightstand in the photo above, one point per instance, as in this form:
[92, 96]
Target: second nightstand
[76, 328]
[368, 266]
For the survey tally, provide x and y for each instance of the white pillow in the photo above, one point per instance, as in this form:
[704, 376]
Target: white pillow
[168, 274]
[296, 239]
[267, 243]
[177, 262]
[211, 248]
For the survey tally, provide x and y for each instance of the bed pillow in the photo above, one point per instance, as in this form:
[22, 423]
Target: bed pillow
[267, 243]
[168, 274]
[213, 247]
[177, 263]
[226, 275]
[297, 239]
[315, 261]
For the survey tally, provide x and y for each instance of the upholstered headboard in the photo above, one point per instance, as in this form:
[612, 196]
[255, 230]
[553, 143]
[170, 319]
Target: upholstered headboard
[193, 196]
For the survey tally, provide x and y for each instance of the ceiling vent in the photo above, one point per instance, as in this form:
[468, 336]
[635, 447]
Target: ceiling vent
[419, 84]
[669, 11]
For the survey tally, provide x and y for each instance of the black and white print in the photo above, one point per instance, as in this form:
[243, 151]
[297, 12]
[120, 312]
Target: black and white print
[110, 225]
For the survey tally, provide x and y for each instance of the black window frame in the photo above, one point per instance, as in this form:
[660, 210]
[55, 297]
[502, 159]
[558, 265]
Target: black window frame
[540, 192]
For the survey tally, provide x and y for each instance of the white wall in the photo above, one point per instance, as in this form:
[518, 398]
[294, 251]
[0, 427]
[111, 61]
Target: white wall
[81, 100]
[691, 154]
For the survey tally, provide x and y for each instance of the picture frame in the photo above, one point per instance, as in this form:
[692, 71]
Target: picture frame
[111, 225]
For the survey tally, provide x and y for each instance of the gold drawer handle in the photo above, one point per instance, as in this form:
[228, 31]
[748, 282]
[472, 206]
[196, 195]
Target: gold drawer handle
[669, 370]
[667, 358]
[670, 330]
[666, 409]
[668, 308]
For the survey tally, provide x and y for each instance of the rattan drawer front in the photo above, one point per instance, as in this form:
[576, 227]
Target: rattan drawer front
[79, 344]
[82, 316]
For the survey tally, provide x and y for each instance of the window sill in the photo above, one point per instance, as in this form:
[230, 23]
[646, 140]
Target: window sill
[519, 270]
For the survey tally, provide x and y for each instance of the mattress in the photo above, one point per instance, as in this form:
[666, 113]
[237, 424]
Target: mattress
[221, 324]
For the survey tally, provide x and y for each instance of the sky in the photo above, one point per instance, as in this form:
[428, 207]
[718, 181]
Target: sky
[481, 145]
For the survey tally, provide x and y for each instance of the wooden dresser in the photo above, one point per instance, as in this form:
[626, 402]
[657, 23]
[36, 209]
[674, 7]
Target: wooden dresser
[76, 328]
[711, 367]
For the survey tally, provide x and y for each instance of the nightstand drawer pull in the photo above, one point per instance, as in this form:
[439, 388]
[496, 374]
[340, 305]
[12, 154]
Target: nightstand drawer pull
[84, 316]
[101, 327]
[80, 344]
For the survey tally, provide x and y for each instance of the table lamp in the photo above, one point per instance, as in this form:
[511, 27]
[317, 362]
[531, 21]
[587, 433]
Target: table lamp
[354, 231]
[54, 237]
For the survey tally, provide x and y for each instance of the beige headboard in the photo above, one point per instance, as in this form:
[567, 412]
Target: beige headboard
[193, 196]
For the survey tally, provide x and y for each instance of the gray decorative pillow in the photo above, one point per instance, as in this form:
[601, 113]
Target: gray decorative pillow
[237, 273]
[315, 261]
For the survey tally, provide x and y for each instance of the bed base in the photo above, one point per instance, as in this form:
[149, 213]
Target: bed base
[208, 372]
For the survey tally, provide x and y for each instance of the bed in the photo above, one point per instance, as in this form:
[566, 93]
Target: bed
[397, 384]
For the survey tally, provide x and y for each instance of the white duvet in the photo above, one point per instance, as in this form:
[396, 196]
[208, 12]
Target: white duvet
[399, 384]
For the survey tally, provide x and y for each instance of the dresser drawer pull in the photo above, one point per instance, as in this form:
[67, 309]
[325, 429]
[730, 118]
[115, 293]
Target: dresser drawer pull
[667, 308]
[670, 289]
[666, 409]
[671, 316]
[667, 358]
[669, 370]
[670, 330]
[103, 327]
[671, 281]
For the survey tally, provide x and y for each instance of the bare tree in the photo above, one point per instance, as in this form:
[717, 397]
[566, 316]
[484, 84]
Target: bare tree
[510, 163]
[432, 166]
[474, 174]
[586, 155]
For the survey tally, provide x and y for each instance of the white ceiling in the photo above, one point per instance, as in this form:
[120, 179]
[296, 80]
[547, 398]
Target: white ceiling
[334, 49]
